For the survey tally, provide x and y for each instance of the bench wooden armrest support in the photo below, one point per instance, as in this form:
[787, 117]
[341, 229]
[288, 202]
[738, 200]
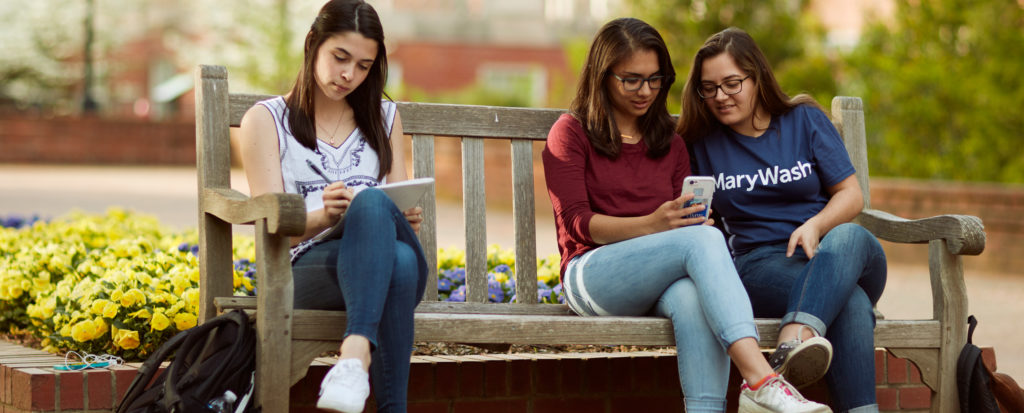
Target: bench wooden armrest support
[285, 213]
[964, 234]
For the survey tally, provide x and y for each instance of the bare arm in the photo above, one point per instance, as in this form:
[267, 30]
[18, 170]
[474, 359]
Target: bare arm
[845, 204]
[261, 160]
[606, 229]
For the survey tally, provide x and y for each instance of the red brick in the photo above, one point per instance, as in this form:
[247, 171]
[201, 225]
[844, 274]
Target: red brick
[896, 371]
[490, 406]
[421, 381]
[915, 374]
[644, 374]
[595, 374]
[571, 405]
[428, 407]
[71, 390]
[668, 374]
[915, 397]
[546, 376]
[101, 394]
[123, 378]
[447, 385]
[888, 398]
[33, 389]
[647, 404]
[471, 379]
[880, 356]
[307, 390]
[496, 378]
[572, 376]
[520, 377]
[620, 375]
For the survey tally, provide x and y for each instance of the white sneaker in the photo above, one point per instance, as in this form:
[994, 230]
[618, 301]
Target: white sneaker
[345, 388]
[777, 395]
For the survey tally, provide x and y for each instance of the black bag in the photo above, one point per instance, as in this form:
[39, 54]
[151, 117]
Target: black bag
[209, 359]
[973, 380]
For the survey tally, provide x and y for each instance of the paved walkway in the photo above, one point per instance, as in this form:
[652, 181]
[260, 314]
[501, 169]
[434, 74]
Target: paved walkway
[169, 193]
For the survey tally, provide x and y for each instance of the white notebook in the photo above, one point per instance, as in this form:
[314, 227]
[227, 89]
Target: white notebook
[405, 195]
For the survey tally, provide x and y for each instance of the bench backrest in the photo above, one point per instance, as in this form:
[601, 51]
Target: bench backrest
[473, 125]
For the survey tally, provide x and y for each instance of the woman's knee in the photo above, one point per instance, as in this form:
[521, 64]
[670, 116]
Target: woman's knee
[680, 299]
[371, 199]
[406, 268]
[702, 239]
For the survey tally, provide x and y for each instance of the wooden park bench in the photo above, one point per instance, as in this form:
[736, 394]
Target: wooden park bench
[290, 339]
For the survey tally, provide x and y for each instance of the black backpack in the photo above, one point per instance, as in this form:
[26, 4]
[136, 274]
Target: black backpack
[209, 359]
[973, 380]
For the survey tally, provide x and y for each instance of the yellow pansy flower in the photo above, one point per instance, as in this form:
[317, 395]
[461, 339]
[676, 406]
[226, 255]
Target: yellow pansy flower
[127, 339]
[184, 321]
[159, 322]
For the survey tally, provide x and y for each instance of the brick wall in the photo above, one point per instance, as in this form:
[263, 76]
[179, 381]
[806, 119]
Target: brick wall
[96, 141]
[495, 383]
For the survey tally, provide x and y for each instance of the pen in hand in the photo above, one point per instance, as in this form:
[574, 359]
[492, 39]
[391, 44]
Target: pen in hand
[319, 172]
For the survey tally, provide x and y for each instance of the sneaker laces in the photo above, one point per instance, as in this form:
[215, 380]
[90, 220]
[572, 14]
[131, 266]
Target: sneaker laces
[780, 393]
[345, 374]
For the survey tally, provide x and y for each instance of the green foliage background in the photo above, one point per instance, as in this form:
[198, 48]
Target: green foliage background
[940, 79]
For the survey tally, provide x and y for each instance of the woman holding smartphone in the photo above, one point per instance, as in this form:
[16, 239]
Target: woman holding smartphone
[329, 137]
[614, 170]
[788, 223]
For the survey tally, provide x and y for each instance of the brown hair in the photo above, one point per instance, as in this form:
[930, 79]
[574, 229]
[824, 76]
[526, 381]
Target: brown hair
[696, 121]
[614, 42]
[336, 17]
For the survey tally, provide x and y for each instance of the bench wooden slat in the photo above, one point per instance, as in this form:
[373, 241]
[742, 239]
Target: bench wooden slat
[474, 201]
[549, 323]
[525, 227]
[477, 121]
[423, 167]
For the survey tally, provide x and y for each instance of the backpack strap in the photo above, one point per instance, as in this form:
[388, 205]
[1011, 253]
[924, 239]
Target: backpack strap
[149, 369]
[973, 322]
[191, 355]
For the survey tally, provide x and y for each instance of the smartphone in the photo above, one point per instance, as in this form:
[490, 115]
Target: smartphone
[702, 187]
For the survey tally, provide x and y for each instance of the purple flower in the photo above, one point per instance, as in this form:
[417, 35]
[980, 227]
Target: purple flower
[458, 295]
[457, 275]
[502, 268]
[444, 284]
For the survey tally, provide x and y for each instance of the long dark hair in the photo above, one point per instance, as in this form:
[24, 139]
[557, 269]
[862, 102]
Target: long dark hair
[592, 106]
[696, 121]
[335, 17]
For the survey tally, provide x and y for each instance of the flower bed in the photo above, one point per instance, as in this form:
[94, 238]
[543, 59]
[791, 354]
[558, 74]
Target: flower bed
[122, 284]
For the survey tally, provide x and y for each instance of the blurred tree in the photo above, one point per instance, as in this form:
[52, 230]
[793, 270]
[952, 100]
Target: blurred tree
[942, 90]
[790, 36]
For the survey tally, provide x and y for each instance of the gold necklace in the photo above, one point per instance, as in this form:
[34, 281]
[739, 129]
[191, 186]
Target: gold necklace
[630, 138]
[336, 127]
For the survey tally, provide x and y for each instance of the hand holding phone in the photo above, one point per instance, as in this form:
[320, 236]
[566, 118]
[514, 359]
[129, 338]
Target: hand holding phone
[702, 188]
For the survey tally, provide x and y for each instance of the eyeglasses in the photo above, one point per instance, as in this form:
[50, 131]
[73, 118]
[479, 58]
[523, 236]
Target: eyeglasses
[729, 87]
[633, 84]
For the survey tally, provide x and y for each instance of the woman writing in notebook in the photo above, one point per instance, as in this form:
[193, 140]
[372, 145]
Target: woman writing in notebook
[332, 139]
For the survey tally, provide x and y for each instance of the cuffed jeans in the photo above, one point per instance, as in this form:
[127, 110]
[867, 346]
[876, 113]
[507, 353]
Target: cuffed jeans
[377, 273]
[685, 274]
[834, 293]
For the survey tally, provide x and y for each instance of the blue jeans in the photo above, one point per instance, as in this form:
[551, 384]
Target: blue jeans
[834, 293]
[685, 274]
[377, 273]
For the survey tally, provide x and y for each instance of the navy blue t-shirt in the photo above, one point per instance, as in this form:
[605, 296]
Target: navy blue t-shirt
[766, 187]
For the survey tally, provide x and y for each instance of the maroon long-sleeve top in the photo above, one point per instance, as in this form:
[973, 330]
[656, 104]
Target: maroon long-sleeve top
[581, 183]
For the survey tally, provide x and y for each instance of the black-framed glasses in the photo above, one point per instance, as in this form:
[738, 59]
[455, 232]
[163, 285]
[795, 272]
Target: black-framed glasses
[729, 87]
[633, 84]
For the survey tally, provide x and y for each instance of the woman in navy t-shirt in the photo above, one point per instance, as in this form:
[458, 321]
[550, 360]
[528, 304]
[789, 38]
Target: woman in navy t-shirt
[614, 169]
[785, 194]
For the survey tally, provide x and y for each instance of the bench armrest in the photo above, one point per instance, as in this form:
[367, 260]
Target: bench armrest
[285, 213]
[964, 234]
